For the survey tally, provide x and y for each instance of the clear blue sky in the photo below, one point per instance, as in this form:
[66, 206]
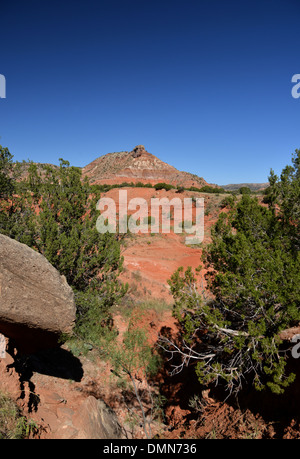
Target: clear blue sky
[205, 85]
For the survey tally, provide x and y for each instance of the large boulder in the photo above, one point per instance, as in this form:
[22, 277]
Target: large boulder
[36, 303]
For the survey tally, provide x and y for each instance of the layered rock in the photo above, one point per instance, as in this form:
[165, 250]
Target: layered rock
[36, 303]
[135, 166]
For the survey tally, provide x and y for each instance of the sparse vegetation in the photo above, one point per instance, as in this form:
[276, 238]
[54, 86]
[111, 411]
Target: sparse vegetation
[160, 186]
[163, 186]
[55, 213]
[133, 361]
[235, 337]
[6, 168]
[13, 425]
[228, 201]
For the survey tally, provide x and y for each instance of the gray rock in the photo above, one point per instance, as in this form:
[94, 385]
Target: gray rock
[36, 303]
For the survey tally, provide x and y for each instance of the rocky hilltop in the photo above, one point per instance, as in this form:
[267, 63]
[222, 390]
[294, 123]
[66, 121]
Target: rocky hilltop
[138, 165]
[135, 166]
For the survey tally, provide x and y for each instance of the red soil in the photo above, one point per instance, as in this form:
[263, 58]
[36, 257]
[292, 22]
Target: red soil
[149, 261]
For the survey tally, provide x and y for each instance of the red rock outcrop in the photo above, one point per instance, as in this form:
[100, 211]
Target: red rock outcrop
[137, 166]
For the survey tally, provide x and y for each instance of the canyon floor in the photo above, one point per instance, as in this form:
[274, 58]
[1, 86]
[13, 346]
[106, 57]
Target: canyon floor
[59, 383]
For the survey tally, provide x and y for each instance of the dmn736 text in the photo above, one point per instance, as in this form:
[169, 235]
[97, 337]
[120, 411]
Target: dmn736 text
[175, 448]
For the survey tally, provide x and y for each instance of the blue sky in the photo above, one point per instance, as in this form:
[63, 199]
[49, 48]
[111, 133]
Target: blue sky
[205, 85]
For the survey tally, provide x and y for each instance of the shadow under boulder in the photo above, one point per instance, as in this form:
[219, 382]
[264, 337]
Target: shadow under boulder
[56, 362]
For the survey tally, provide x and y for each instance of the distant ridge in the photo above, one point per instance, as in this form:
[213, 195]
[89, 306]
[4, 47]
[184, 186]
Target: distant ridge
[252, 186]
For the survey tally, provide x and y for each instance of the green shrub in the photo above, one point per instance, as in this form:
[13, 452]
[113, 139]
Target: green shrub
[244, 190]
[64, 231]
[228, 201]
[253, 277]
[64, 228]
[163, 186]
[6, 168]
[13, 425]
[206, 189]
